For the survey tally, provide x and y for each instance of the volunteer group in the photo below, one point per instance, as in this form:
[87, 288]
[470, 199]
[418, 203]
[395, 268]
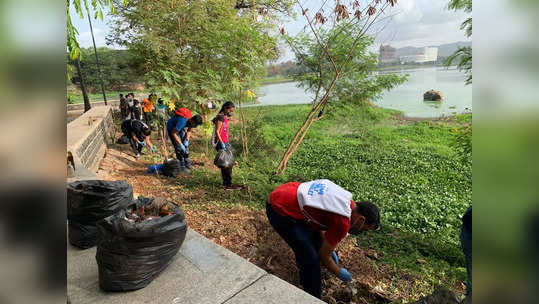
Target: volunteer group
[311, 217]
[179, 126]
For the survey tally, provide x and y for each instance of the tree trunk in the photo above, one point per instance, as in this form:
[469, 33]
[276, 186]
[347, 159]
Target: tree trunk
[87, 105]
[300, 134]
[244, 140]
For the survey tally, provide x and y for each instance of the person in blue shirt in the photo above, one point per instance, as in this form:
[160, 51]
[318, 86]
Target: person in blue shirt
[178, 129]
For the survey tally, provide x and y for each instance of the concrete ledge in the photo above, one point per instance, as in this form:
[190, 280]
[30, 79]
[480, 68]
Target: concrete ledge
[88, 135]
[80, 106]
[202, 272]
[272, 290]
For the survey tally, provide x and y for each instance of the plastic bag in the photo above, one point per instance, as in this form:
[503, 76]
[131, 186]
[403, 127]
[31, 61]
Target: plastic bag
[90, 201]
[171, 167]
[130, 255]
[224, 159]
[123, 140]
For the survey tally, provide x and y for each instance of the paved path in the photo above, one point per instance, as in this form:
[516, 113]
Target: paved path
[202, 272]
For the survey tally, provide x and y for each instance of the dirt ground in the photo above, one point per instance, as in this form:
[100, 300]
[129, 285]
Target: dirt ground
[247, 232]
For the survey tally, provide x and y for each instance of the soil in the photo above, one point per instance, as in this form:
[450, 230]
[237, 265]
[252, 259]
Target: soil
[247, 232]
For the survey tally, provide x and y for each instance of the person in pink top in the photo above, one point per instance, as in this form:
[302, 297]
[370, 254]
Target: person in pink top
[220, 140]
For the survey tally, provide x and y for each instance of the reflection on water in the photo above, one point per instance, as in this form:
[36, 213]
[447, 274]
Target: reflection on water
[407, 97]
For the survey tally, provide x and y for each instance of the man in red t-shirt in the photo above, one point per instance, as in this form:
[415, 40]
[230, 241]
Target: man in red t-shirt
[314, 233]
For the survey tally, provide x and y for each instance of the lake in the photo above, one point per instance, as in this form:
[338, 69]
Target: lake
[407, 97]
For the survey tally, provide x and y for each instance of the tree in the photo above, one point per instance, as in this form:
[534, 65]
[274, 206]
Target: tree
[118, 67]
[71, 41]
[197, 50]
[82, 8]
[463, 55]
[334, 51]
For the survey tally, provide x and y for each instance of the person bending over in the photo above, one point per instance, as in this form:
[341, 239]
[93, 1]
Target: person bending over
[312, 218]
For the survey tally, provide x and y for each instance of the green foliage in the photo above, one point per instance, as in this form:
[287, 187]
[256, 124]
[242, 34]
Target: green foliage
[358, 80]
[414, 172]
[463, 56]
[82, 8]
[463, 139]
[118, 68]
[194, 51]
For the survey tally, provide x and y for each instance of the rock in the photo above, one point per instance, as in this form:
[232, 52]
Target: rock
[441, 295]
[433, 95]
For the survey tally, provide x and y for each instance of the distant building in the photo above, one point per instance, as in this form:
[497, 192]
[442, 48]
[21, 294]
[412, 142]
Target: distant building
[426, 54]
[388, 54]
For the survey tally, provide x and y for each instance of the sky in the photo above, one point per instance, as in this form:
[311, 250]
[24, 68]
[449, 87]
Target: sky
[410, 23]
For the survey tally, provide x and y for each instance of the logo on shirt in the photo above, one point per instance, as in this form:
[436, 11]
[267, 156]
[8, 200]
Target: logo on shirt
[318, 188]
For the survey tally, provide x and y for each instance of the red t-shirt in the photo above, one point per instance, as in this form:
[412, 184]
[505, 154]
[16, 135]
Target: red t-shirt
[284, 201]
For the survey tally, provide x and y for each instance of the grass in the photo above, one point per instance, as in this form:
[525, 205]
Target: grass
[76, 97]
[412, 170]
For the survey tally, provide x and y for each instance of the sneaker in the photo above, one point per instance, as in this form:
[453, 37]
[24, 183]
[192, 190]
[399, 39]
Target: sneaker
[189, 166]
[137, 155]
[233, 187]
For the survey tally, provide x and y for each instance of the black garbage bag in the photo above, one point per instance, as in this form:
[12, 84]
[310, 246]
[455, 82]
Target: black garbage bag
[123, 140]
[224, 158]
[171, 167]
[90, 201]
[132, 253]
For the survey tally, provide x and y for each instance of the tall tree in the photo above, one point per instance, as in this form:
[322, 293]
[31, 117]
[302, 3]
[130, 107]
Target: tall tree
[197, 50]
[81, 7]
[333, 51]
[463, 55]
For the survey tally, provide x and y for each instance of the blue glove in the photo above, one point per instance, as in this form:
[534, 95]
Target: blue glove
[345, 276]
[183, 148]
[228, 146]
[186, 143]
[223, 146]
[335, 257]
[142, 144]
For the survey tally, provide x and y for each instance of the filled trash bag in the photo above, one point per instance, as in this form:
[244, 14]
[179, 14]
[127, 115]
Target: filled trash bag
[123, 140]
[135, 245]
[171, 167]
[90, 201]
[224, 158]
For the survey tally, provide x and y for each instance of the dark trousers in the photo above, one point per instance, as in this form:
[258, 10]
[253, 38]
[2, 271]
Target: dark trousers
[182, 156]
[466, 244]
[137, 148]
[148, 118]
[305, 242]
[226, 173]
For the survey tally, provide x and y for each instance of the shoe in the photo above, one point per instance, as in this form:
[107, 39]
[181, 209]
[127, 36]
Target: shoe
[137, 155]
[184, 170]
[233, 187]
[189, 166]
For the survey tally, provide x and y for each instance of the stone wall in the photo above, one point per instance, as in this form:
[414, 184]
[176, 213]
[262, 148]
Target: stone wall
[88, 137]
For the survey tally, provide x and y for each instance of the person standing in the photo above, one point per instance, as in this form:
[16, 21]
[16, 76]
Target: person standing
[147, 106]
[138, 134]
[135, 110]
[466, 246]
[313, 218]
[129, 98]
[176, 128]
[220, 140]
[124, 107]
